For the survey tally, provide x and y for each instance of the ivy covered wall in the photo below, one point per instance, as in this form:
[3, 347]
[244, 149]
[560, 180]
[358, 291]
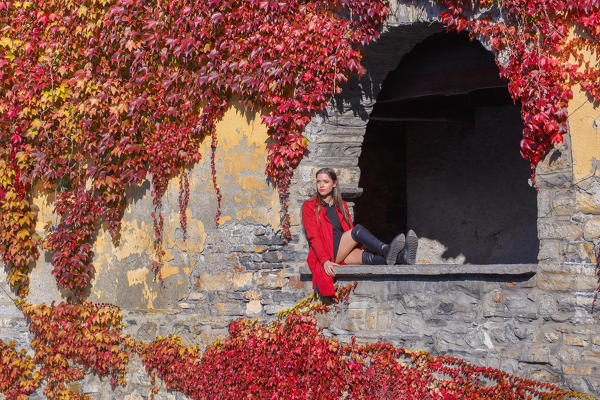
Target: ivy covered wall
[245, 268]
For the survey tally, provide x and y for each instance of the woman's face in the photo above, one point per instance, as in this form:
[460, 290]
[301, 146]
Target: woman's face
[325, 185]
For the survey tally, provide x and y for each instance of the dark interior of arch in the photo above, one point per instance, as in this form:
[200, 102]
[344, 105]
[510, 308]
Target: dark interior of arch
[441, 156]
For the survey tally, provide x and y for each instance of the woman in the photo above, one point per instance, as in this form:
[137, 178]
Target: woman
[335, 241]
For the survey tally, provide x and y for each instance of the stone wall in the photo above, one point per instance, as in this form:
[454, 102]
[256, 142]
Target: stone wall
[569, 191]
[538, 326]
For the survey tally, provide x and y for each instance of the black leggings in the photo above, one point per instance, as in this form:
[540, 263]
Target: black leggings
[337, 237]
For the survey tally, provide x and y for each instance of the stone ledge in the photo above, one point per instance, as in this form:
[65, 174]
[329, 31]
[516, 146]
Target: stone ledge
[379, 271]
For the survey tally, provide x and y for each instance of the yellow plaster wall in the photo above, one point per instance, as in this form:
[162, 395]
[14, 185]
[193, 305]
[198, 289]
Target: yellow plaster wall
[241, 158]
[240, 161]
[584, 127]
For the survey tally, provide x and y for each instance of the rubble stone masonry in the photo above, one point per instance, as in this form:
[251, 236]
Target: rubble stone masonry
[535, 321]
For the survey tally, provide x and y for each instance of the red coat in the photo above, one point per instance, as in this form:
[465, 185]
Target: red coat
[320, 238]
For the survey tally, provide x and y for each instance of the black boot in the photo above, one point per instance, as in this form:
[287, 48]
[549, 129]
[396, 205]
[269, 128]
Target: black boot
[390, 252]
[409, 254]
[369, 258]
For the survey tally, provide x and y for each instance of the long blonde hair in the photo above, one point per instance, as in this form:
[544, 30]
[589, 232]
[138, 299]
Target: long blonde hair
[337, 196]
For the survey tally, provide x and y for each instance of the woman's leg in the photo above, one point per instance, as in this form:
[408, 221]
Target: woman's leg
[379, 253]
[355, 257]
[347, 244]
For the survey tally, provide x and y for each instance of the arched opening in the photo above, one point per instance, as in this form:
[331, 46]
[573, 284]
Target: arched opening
[441, 156]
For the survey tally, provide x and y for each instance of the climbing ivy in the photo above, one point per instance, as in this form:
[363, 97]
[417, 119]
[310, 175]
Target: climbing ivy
[540, 48]
[288, 358]
[96, 95]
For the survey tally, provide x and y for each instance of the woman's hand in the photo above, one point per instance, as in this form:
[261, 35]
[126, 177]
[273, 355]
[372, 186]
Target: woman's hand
[330, 267]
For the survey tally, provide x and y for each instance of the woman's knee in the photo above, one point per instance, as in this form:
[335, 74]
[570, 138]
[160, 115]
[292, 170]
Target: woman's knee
[352, 232]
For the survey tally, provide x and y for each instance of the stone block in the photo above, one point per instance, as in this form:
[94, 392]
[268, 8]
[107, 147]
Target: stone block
[147, 331]
[366, 288]
[324, 320]
[491, 308]
[461, 301]
[544, 203]
[229, 308]
[580, 252]
[242, 280]
[272, 309]
[591, 228]
[362, 305]
[399, 309]
[253, 307]
[271, 280]
[551, 336]
[409, 323]
[356, 314]
[259, 249]
[577, 383]
[561, 316]
[383, 320]
[592, 384]
[575, 301]
[573, 269]
[591, 356]
[575, 340]
[351, 325]
[588, 202]
[221, 281]
[547, 305]
[370, 321]
[196, 296]
[133, 396]
[478, 339]
[501, 333]
[420, 301]
[550, 251]
[294, 282]
[581, 369]
[552, 282]
[564, 203]
[268, 240]
[560, 179]
[446, 308]
[569, 355]
[545, 376]
[558, 229]
[272, 256]
[556, 160]
[524, 333]
[445, 341]
[92, 385]
[535, 354]
[510, 304]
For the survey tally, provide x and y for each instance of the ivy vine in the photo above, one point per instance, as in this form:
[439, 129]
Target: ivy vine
[97, 95]
[287, 358]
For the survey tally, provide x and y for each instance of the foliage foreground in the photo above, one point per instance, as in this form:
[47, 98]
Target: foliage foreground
[288, 358]
[97, 95]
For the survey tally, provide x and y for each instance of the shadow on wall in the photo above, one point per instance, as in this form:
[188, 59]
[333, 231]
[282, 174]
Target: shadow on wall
[448, 165]
[378, 60]
[463, 190]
